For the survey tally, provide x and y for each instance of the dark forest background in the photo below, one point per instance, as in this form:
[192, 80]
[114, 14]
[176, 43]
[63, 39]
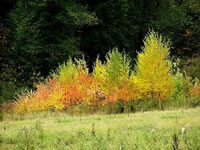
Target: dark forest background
[38, 35]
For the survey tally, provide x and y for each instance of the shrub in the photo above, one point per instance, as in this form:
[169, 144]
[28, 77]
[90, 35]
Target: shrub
[182, 87]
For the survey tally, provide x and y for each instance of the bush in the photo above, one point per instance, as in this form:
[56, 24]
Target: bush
[182, 88]
[8, 91]
[194, 101]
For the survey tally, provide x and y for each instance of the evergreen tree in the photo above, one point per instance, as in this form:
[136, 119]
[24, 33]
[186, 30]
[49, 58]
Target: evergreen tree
[45, 33]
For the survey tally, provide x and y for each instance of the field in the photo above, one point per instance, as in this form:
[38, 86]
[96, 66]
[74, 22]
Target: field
[167, 130]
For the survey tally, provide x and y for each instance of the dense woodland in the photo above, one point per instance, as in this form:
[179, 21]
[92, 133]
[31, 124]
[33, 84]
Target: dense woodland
[36, 36]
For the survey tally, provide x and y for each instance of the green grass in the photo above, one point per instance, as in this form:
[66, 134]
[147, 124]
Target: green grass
[146, 131]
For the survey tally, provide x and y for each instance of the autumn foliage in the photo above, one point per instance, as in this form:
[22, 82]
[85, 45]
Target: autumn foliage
[111, 81]
[195, 91]
[153, 74]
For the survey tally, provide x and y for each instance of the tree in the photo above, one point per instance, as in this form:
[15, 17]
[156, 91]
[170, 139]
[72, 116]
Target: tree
[115, 29]
[114, 77]
[44, 34]
[179, 21]
[153, 68]
[122, 24]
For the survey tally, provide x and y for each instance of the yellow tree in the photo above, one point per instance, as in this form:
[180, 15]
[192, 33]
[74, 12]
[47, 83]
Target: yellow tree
[153, 76]
[113, 76]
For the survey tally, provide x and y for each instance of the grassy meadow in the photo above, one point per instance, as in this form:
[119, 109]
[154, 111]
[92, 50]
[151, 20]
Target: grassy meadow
[153, 130]
[77, 110]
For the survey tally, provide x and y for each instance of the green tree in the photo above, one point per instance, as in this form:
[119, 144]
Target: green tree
[45, 33]
[115, 29]
[179, 21]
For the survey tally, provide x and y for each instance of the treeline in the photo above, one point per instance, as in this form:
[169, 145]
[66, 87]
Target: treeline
[36, 36]
[113, 86]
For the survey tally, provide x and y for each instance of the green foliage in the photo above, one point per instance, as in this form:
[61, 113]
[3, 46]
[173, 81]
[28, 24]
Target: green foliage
[44, 34]
[36, 36]
[127, 23]
[194, 101]
[115, 29]
[191, 66]
[70, 71]
[67, 72]
[8, 91]
[182, 87]
[117, 66]
[10, 88]
[115, 72]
